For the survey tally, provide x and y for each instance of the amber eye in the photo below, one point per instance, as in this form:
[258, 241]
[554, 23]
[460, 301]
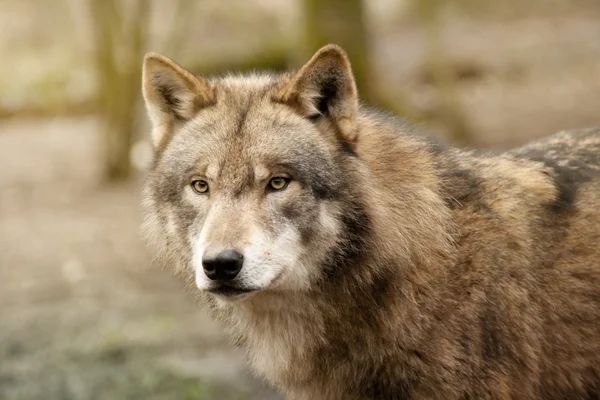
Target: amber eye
[278, 183]
[200, 186]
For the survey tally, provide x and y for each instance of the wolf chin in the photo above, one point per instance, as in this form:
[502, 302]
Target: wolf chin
[354, 259]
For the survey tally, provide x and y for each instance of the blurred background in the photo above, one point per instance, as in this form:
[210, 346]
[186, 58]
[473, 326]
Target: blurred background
[84, 314]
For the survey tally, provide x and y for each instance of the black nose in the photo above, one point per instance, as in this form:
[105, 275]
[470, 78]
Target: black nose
[224, 267]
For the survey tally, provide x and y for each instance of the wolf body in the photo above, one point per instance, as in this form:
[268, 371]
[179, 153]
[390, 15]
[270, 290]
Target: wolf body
[354, 259]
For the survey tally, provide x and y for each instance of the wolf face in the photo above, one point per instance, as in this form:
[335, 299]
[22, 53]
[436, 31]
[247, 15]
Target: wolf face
[249, 173]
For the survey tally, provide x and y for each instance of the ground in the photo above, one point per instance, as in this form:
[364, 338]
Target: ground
[84, 313]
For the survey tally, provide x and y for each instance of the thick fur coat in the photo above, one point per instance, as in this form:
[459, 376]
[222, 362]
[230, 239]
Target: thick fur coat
[388, 266]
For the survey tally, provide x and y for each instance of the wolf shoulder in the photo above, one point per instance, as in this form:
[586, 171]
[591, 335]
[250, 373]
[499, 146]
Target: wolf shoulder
[574, 152]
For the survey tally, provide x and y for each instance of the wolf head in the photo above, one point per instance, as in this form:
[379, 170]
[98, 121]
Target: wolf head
[251, 188]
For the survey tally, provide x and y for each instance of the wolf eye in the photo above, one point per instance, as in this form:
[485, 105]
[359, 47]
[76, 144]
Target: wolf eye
[278, 183]
[200, 186]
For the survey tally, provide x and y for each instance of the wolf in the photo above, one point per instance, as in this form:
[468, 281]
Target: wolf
[352, 258]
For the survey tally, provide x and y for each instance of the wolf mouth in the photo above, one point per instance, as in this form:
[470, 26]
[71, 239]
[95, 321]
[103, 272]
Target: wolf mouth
[230, 291]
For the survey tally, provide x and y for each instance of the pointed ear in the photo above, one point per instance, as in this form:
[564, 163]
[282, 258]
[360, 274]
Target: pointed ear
[172, 94]
[325, 87]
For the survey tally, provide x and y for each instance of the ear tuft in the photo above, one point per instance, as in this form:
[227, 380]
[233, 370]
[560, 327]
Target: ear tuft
[324, 86]
[171, 94]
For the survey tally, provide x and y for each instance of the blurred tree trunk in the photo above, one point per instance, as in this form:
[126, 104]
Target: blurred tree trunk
[450, 113]
[343, 22]
[120, 38]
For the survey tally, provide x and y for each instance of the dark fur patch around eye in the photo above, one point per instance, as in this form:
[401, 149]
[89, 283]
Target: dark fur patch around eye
[314, 117]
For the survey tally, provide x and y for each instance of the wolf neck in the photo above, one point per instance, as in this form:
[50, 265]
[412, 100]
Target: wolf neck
[282, 333]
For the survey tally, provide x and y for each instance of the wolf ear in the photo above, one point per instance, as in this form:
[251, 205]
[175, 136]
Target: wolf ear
[325, 87]
[171, 94]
